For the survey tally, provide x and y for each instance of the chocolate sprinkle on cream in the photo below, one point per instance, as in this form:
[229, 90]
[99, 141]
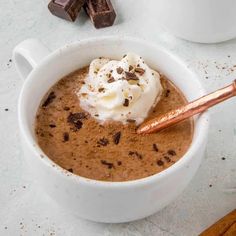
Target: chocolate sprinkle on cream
[101, 90]
[139, 70]
[131, 68]
[126, 102]
[49, 99]
[108, 164]
[116, 137]
[119, 70]
[103, 142]
[131, 76]
[111, 80]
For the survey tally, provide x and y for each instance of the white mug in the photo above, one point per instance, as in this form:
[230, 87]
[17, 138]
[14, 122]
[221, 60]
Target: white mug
[204, 21]
[91, 199]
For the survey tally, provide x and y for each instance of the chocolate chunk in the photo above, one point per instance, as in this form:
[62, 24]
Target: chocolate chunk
[66, 9]
[108, 164]
[103, 142]
[70, 170]
[52, 126]
[49, 99]
[116, 137]
[139, 70]
[160, 163]
[131, 68]
[101, 12]
[126, 102]
[111, 80]
[155, 148]
[66, 137]
[136, 154]
[119, 70]
[75, 119]
[131, 76]
[171, 152]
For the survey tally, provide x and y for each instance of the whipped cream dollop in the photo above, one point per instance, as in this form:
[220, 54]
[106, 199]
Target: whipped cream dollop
[120, 90]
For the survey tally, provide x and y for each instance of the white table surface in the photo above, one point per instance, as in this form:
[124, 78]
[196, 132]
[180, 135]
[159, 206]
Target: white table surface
[26, 210]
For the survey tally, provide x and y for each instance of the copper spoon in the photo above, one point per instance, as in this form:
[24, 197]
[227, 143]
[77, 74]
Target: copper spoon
[192, 108]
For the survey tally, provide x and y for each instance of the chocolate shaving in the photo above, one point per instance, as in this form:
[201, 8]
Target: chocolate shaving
[49, 99]
[136, 154]
[167, 93]
[119, 70]
[66, 108]
[119, 163]
[167, 158]
[111, 80]
[101, 90]
[131, 76]
[171, 152]
[70, 170]
[116, 138]
[126, 102]
[155, 148]
[66, 137]
[131, 120]
[108, 164]
[160, 163]
[139, 70]
[131, 68]
[103, 142]
[75, 119]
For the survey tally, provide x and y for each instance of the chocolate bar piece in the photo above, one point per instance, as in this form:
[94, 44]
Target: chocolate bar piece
[101, 12]
[66, 9]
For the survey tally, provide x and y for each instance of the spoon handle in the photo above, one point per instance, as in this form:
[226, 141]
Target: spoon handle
[188, 110]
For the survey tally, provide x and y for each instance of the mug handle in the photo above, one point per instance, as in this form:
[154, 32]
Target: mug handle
[27, 55]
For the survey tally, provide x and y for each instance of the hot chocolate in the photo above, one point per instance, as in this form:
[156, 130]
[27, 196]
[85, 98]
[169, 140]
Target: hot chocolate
[104, 145]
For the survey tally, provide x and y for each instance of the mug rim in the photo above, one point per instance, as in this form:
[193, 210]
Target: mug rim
[197, 141]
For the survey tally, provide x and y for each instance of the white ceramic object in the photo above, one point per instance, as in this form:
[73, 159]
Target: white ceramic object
[204, 21]
[90, 199]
